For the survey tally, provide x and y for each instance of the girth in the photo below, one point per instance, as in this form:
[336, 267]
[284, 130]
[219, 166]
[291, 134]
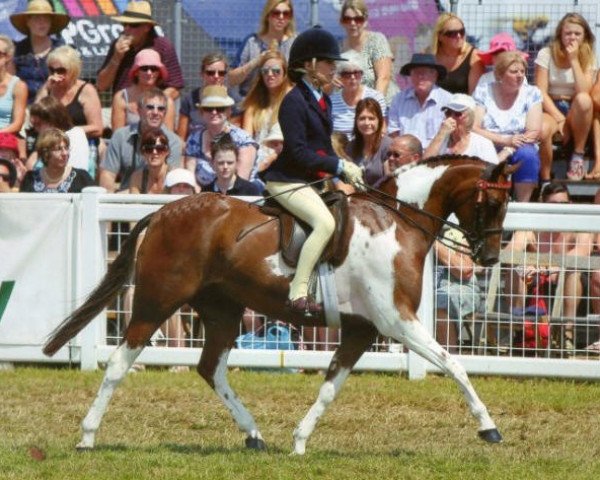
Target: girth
[293, 231]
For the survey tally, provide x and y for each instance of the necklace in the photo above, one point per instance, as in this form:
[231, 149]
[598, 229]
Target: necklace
[50, 179]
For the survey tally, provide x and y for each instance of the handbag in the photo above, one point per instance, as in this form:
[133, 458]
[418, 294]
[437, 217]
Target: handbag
[276, 336]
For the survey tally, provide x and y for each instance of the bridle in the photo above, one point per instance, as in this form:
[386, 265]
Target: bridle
[476, 238]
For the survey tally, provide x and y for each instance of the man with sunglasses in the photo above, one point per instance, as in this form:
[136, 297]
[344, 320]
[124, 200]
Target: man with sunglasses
[123, 156]
[417, 109]
[138, 34]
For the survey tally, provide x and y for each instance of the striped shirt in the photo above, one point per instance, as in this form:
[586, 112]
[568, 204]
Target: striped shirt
[343, 114]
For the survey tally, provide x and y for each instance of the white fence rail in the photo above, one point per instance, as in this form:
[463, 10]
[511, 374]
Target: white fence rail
[95, 210]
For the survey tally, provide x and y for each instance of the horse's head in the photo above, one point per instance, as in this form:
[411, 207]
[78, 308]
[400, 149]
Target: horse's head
[480, 205]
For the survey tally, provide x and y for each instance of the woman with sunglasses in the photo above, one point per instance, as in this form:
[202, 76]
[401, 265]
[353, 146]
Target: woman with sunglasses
[370, 144]
[509, 113]
[13, 91]
[261, 105]
[277, 31]
[460, 59]
[213, 71]
[154, 146]
[215, 107]
[372, 47]
[56, 176]
[344, 101]
[455, 135]
[78, 96]
[147, 72]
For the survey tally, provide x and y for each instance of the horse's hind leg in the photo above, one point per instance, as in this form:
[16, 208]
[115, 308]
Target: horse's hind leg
[146, 318]
[221, 321]
[355, 339]
[417, 338]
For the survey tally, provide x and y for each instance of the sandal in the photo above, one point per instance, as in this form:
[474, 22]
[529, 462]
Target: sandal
[576, 168]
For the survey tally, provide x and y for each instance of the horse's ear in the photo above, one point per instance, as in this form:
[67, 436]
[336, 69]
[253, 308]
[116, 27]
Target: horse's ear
[503, 168]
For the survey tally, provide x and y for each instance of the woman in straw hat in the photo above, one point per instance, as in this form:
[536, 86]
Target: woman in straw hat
[147, 72]
[40, 24]
[215, 107]
[138, 34]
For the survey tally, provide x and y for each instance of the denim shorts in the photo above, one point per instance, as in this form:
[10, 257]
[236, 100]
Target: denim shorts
[563, 105]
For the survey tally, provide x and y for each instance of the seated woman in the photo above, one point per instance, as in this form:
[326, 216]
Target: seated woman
[460, 59]
[455, 135]
[155, 150]
[13, 91]
[564, 73]
[261, 105]
[56, 176]
[216, 108]
[343, 102]
[372, 48]
[147, 72]
[509, 113]
[80, 97]
[369, 147]
[50, 113]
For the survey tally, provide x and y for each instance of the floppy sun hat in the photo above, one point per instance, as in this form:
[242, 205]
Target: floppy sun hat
[148, 58]
[136, 12]
[215, 96]
[58, 21]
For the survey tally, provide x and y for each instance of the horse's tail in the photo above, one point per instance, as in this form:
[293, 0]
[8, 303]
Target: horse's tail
[116, 276]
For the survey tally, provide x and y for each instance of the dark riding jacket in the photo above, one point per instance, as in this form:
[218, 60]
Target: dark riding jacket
[306, 129]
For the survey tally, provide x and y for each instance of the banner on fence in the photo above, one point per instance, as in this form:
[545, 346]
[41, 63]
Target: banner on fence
[36, 268]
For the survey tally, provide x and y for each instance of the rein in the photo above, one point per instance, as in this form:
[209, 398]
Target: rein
[475, 238]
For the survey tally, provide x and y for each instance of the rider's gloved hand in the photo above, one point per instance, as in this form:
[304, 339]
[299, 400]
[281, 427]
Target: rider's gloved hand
[351, 173]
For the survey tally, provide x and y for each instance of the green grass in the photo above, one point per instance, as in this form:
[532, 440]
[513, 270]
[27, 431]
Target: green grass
[163, 425]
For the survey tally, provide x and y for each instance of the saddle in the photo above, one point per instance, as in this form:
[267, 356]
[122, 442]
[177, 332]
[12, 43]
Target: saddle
[293, 231]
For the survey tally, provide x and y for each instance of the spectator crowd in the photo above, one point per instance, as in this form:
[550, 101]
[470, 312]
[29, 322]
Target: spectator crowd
[224, 134]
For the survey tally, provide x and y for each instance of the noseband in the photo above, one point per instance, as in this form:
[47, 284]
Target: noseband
[477, 237]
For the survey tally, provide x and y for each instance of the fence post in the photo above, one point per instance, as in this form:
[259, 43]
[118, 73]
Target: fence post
[90, 268]
[417, 365]
[314, 12]
[453, 6]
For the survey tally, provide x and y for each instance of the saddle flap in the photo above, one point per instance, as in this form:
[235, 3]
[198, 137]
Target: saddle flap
[293, 231]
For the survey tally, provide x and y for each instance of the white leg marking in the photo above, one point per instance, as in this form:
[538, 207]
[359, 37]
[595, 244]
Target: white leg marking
[240, 414]
[327, 393]
[417, 338]
[116, 369]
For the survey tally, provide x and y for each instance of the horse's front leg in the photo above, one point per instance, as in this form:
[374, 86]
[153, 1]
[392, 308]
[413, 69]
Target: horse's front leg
[116, 369]
[219, 338]
[356, 338]
[412, 334]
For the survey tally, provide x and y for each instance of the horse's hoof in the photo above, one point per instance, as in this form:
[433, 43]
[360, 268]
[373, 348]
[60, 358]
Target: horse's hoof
[255, 443]
[491, 436]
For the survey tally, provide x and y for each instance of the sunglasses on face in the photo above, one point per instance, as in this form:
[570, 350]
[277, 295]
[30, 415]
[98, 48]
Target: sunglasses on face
[285, 14]
[215, 109]
[151, 106]
[346, 19]
[58, 70]
[131, 25]
[453, 114]
[3, 54]
[395, 155]
[272, 70]
[149, 68]
[215, 73]
[454, 33]
[151, 148]
[353, 73]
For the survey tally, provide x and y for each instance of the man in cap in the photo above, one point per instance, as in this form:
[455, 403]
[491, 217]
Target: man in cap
[123, 156]
[417, 110]
[138, 33]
